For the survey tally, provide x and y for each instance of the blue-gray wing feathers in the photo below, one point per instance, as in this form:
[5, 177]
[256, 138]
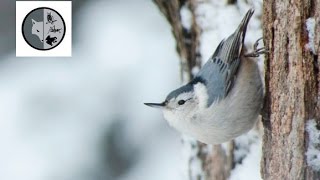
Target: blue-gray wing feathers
[219, 73]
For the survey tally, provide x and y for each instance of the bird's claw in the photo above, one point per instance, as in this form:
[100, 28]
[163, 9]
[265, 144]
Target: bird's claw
[257, 51]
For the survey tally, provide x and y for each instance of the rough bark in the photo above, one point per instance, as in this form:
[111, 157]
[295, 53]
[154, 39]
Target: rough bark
[292, 88]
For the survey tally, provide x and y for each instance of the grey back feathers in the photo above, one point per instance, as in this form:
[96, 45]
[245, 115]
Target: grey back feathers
[219, 73]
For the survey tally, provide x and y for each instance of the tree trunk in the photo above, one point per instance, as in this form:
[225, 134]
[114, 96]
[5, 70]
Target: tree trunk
[292, 90]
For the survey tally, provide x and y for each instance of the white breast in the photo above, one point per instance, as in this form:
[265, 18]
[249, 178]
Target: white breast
[232, 116]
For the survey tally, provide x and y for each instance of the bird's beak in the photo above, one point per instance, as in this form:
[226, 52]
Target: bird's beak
[156, 105]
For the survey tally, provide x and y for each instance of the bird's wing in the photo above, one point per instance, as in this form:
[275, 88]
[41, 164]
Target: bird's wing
[219, 73]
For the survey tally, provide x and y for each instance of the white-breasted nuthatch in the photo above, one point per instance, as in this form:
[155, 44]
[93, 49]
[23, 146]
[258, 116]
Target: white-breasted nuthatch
[224, 99]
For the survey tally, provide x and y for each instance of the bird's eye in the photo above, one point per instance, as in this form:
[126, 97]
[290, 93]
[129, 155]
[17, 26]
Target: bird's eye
[38, 30]
[181, 102]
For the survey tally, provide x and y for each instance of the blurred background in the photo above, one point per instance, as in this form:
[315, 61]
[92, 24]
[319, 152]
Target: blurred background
[83, 118]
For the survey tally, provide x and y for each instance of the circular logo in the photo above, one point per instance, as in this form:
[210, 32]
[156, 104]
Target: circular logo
[43, 28]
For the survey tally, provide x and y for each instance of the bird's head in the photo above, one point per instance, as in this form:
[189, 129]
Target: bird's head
[182, 105]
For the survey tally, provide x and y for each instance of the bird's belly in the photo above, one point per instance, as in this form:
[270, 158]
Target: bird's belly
[234, 115]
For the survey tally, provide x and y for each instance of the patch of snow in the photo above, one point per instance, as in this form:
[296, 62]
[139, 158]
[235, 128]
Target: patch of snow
[249, 169]
[193, 168]
[310, 23]
[185, 77]
[313, 152]
[186, 16]
[195, 70]
[243, 145]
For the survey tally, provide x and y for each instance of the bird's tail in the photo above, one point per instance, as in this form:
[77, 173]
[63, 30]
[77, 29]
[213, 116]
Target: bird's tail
[242, 28]
[231, 48]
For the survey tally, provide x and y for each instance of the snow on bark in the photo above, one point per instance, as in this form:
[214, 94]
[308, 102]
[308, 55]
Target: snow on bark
[313, 150]
[310, 24]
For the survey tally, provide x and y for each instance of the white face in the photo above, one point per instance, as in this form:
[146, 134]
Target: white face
[37, 29]
[184, 111]
[178, 111]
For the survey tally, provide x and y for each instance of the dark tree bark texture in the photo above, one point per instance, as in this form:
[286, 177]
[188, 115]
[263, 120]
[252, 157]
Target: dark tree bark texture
[292, 88]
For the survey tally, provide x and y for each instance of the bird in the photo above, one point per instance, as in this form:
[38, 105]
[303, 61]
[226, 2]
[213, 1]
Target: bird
[224, 99]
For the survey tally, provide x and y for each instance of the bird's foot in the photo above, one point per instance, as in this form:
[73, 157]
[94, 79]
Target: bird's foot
[257, 51]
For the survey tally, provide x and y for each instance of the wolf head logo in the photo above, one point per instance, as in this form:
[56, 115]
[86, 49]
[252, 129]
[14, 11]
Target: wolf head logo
[37, 29]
